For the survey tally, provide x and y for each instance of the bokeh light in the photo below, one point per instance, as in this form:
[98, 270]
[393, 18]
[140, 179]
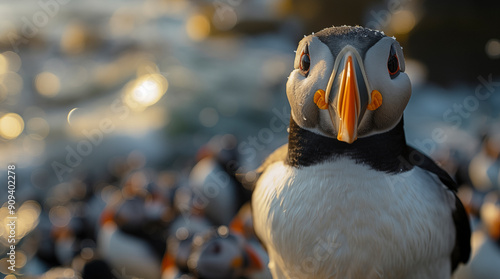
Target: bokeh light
[27, 220]
[87, 253]
[13, 59]
[198, 27]
[224, 18]
[12, 81]
[11, 126]
[21, 259]
[493, 48]
[223, 230]
[74, 38]
[4, 64]
[59, 216]
[402, 22]
[416, 71]
[145, 91]
[209, 117]
[37, 128]
[47, 84]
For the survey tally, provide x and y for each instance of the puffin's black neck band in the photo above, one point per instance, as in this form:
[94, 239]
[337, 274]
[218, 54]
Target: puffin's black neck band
[384, 152]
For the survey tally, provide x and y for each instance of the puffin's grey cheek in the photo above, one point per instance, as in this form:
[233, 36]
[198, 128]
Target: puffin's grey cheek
[318, 79]
[389, 113]
[297, 90]
[305, 111]
[310, 115]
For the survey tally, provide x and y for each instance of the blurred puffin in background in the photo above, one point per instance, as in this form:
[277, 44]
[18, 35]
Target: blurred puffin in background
[132, 236]
[217, 191]
[346, 197]
[196, 250]
[485, 242]
[484, 168]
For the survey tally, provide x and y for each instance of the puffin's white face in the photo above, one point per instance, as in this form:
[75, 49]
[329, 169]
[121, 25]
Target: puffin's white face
[351, 95]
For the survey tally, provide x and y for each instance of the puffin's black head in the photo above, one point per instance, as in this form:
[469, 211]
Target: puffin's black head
[348, 82]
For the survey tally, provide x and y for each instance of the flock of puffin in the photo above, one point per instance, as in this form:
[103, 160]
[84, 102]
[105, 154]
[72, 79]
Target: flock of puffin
[158, 237]
[335, 202]
[148, 224]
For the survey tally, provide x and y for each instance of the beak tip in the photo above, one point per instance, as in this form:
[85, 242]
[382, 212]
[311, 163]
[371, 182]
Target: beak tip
[348, 139]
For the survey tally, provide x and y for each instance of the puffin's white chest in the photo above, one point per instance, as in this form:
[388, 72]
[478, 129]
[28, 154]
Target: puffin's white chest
[344, 220]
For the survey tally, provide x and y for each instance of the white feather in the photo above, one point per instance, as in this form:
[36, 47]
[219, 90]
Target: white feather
[126, 254]
[343, 220]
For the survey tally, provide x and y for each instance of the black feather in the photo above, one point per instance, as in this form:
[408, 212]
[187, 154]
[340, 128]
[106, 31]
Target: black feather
[462, 249]
[382, 152]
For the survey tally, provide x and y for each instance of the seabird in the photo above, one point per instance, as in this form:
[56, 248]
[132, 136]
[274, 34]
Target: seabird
[347, 197]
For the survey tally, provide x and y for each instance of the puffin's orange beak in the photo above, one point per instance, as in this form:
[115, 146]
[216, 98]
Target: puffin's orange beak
[348, 95]
[348, 104]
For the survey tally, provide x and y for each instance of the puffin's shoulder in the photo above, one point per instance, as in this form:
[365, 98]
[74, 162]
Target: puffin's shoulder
[461, 251]
[419, 159]
[249, 181]
[280, 154]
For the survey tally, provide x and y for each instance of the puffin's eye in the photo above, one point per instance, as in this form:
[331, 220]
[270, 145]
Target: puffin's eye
[305, 61]
[393, 63]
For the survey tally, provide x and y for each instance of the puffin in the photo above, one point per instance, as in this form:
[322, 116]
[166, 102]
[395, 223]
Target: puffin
[346, 197]
[217, 191]
[230, 252]
[132, 233]
[127, 251]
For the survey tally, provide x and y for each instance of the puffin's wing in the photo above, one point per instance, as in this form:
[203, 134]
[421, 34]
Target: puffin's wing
[279, 154]
[461, 251]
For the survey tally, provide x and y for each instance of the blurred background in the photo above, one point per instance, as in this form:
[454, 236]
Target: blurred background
[112, 109]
